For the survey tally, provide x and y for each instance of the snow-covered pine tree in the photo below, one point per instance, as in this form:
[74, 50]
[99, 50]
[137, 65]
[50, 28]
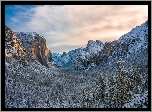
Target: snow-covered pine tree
[119, 87]
[102, 85]
[135, 77]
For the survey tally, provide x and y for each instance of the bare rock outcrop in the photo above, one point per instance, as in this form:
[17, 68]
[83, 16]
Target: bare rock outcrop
[21, 44]
[13, 45]
[36, 45]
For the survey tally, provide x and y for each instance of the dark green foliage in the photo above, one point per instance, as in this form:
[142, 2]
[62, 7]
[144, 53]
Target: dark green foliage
[102, 86]
[135, 77]
[119, 87]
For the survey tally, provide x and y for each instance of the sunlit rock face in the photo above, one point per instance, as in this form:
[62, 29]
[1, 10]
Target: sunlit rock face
[36, 44]
[26, 43]
[13, 45]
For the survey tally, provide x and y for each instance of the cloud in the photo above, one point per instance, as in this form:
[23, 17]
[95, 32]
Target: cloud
[13, 19]
[71, 26]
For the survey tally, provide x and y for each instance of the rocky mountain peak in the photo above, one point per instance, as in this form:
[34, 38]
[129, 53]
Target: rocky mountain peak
[36, 44]
[27, 43]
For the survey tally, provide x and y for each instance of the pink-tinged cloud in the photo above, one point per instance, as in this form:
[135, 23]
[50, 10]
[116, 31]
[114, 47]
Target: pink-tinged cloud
[71, 26]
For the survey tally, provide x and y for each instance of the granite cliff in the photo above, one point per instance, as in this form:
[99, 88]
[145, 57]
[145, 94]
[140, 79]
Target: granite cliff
[32, 44]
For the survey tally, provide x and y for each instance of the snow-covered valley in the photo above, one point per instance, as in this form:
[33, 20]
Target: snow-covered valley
[35, 86]
[102, 75]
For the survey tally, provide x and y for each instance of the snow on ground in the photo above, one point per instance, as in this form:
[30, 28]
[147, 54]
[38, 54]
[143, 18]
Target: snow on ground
[137, 100]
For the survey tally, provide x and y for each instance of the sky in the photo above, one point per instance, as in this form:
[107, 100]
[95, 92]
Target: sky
[69, 27]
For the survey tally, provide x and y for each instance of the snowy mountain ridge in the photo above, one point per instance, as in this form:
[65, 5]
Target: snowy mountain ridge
[97, 52]
[66, 60]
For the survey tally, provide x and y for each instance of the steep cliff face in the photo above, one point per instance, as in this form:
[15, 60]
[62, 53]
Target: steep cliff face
[36, 44]
[19, 44]
[13, 45]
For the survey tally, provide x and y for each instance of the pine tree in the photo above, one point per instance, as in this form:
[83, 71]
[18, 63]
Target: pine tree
[119, 88]
[136, 82]
[102, 85]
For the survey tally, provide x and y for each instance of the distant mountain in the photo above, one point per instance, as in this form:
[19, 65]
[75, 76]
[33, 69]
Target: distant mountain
[103, 55]
[66, 60]
[99, 54]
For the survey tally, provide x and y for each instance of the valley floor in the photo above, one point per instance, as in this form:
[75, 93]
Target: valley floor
[35, 86]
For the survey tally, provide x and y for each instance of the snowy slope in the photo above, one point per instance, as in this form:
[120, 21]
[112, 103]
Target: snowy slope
[13, 45]
[103, 54]
[138, 101]
[55, 56]
[26, 38]
[93, 47]
[67, 60]
[137, 37]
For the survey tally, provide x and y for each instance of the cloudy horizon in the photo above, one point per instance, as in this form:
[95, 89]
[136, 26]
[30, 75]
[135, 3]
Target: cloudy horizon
[70, 27]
